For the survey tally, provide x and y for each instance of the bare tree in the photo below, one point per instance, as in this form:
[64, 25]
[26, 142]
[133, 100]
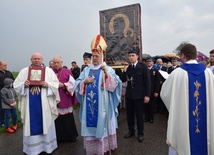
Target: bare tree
[178, 49]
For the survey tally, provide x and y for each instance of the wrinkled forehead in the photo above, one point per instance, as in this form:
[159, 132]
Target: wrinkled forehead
[96, 55]
[4, 63]
[58, 60]
[36, 58]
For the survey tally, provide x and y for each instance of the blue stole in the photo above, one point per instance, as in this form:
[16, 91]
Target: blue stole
[197, 108]
[92, 98]
[35, 109]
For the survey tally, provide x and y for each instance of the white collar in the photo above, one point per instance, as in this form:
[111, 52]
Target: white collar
[135, 63]
[191, 62]
[97, 67]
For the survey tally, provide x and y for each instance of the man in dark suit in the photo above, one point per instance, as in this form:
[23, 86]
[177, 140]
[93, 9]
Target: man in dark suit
[155, 88]
[159, 105]
[174, 65]
[137, 92]
[75, 70]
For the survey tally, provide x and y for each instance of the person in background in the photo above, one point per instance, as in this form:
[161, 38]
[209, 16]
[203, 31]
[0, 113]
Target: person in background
[51, 64]
[161, 64]
[4, 73]
[188, 96]
[137, 92]
[118, 72]
[98, 90]
[86, 60]
[175, 64]
[65, 124]
[38, 107]
[169, 64]
[159, 105]
[124, 85]
[123, 100]
[9, 99]
[75, 70]
[155, 88]
[211, 64]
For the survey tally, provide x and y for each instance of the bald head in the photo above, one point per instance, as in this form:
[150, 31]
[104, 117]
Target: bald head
[3, 62]
[3, 65]
[36, 59]
[37, 54]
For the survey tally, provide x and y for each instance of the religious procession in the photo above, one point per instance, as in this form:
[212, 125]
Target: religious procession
[116, 84]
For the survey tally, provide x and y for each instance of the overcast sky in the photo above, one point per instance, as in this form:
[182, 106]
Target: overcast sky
[67, 27]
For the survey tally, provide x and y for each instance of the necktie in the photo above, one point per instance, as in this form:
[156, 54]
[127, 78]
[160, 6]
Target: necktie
[132, 66]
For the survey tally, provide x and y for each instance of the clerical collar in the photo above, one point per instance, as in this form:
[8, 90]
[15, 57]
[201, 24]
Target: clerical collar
[191, 62]
[57, 70]
[97, 67]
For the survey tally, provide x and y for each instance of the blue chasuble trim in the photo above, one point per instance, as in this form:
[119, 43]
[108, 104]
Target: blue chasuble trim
[92, 99]
[197, 108]
[35, 109]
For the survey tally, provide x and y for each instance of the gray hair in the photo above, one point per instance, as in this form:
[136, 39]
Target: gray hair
[57, 57]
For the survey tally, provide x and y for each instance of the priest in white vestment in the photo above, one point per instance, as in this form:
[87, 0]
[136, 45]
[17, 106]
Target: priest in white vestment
[38, 106]
[188, 96]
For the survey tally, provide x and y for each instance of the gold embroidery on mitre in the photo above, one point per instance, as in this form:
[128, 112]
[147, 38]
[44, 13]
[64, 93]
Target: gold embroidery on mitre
[35, 90]
[198, 103]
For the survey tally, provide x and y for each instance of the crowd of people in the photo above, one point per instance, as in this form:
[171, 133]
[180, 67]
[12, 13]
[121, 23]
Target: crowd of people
[182, 90]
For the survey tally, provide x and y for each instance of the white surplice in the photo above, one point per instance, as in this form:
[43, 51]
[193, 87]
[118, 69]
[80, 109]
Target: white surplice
[175, 96]
[50, 98]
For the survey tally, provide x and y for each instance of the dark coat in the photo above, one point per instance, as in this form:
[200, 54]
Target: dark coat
[155, 80]
[140, 86]
[162, 79]
[163, 68]
[4, 75]
[76, 72]
[170, 69]
[83, 66]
